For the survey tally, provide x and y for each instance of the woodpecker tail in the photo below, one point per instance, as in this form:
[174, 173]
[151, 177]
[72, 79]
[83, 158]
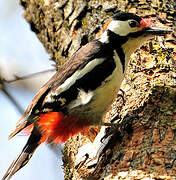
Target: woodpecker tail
[22, 159]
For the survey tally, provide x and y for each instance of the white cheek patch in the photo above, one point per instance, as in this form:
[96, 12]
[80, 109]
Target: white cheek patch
[121, 28]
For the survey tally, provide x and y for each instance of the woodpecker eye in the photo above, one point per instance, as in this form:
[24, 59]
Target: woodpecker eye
[133, 24]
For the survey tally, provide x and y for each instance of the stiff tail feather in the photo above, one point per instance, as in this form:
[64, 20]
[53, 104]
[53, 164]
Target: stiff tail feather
[22, 124]
[22, 159]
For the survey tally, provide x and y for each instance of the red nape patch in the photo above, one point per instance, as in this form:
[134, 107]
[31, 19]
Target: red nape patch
[145, 23]
[56, 127]
[27, 131]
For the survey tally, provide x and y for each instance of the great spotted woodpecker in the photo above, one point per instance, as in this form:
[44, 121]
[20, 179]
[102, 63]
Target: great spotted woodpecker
[79, 94]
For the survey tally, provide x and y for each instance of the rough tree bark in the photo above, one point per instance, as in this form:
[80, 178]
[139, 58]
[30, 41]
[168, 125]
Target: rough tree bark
[147, 146]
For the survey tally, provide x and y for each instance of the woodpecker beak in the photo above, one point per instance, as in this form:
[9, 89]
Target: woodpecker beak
[157, 31]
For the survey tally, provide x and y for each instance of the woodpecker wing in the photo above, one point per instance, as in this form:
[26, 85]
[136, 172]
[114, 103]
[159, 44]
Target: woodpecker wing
[79, 59]
[27, 117]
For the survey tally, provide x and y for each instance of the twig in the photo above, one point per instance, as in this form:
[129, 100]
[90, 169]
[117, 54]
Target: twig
[10, 97]
[17, 78]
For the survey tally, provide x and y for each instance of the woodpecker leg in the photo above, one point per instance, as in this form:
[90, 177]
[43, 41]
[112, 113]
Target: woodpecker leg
[120, 126]
[115, 131]
[91, 153]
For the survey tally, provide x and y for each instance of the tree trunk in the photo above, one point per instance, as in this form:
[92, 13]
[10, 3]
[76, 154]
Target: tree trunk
[147, 146]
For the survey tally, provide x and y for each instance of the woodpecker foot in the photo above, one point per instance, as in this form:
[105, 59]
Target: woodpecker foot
[90, 154]
[120, 126]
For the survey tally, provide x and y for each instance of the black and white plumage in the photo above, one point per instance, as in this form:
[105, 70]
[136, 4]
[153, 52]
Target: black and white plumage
[84, 88]
[97, 69]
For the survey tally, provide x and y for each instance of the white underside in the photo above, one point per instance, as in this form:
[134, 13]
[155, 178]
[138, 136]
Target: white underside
[104, 94]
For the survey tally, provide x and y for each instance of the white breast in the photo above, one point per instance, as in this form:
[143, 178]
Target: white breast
[105, 94]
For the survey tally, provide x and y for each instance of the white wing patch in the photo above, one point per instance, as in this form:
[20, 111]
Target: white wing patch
[104, 38]
[71, 80]
[82, 98]
[80, 73]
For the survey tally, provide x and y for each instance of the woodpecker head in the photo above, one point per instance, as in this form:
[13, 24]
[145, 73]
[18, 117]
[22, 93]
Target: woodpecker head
[129, 31]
